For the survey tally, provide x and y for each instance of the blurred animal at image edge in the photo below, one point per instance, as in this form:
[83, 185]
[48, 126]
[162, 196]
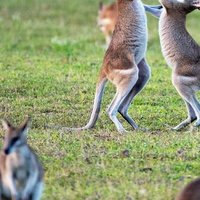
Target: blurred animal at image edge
[21, 174]
[190, 191]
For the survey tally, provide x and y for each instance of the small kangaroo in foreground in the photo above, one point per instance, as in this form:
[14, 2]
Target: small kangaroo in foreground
[191, 191]
[21, 174]
[182, 53]
[124, 64]
[107, 18]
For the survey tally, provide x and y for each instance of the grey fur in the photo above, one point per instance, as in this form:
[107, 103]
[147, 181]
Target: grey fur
[182, 53]
[21, 174]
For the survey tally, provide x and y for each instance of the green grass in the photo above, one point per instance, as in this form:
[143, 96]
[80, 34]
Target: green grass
[50, 55]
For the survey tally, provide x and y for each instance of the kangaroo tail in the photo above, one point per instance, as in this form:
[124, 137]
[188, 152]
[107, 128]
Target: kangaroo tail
[96, 107]
[97, 102]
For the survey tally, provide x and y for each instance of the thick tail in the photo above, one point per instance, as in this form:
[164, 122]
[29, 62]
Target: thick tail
[97, 103]
[96, 107]
[154, 10]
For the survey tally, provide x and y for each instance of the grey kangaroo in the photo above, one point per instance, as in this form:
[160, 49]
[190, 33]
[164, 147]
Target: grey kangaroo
[124, 64]
[21, 174]
[182, 53]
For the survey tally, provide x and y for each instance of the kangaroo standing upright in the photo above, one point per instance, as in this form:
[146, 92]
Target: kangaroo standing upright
[124, 63]
[21, 173]
[182, 53]
[107, 17]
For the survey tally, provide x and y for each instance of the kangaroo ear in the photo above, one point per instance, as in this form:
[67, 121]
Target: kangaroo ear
[6, 125]
[154, 10]
[25, 126]
[100, 5]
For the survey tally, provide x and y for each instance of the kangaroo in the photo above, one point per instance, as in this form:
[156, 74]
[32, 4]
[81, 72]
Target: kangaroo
[21, 174]
[191, 191]
[107, 18]
[124, 64]
[182, 53]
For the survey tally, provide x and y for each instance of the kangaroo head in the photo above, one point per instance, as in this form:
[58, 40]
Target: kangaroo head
[107, 15]
[15, 137]
[181, 5]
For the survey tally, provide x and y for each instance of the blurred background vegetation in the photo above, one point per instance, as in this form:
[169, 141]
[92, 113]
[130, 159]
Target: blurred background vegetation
[50, 55]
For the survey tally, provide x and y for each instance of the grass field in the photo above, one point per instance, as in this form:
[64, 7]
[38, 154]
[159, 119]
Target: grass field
[50, 55]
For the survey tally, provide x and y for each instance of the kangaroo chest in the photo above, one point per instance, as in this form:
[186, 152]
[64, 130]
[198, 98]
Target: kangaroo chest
[178, 47]
[17, 166]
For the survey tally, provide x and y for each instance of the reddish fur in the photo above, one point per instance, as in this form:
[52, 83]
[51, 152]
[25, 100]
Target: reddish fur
[118, 55]
[108, 12]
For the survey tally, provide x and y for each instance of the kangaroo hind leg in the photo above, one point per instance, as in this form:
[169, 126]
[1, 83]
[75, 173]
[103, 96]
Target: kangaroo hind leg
[191, 117]
[124, 83]
[184, 86]
[144, 75]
